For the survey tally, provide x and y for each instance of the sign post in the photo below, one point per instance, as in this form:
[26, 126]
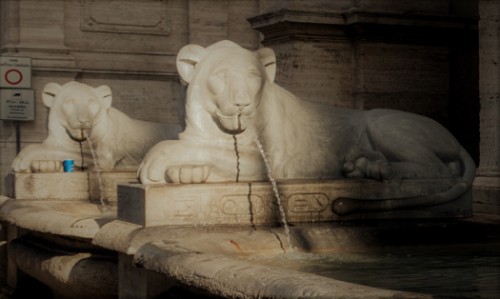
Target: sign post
[17, 100]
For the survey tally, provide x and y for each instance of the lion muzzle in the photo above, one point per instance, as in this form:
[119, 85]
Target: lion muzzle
[78, 135]
[234, 124]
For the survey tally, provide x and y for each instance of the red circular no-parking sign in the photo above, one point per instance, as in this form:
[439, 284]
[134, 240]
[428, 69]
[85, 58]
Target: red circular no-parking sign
[13, 76]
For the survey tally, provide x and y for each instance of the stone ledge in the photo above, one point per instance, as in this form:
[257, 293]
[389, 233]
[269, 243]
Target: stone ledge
[79, 219]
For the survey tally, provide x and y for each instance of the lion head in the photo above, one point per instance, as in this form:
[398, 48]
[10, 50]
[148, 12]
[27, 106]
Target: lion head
[226, 81]
[75, 107]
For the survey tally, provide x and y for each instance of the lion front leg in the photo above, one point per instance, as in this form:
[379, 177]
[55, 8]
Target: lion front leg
[33, 156]
[180, 161]
[173, 162]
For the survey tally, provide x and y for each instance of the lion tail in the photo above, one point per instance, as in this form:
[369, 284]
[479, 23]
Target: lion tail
[345, 206]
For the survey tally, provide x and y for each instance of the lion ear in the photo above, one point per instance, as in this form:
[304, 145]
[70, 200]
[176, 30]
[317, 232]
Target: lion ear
[268, 59]
[49, 93]
[187, 58]
[104, 93]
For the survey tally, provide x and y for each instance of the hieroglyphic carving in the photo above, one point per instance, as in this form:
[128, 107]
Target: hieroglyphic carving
[118, 16]
[186, 207]
[241, 204]
[307, 202]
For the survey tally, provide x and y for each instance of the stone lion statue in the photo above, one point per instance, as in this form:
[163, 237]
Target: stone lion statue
[233, 104]
[79, 112]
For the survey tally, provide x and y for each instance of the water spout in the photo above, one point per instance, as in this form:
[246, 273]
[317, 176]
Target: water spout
[237, 158]
[276, 193]
[103, 206]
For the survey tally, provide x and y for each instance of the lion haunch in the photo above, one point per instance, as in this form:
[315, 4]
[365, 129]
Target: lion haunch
[77, 112]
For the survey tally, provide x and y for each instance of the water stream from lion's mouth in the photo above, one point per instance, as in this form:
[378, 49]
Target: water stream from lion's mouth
[97, 172]
[276, 193]
[237, 158]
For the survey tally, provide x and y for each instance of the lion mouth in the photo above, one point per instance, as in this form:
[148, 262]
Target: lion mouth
[233, 124]
[78, 135]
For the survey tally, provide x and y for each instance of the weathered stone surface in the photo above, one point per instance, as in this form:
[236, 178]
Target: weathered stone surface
[79, 219]
[71, 275]
[224, 260]
[226, 276]
[66, 185]
[254, 203]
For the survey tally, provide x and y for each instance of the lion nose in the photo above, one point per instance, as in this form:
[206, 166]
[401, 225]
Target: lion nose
[241, 102]
[242, 106]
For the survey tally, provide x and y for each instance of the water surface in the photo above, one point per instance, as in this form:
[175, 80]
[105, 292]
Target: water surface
[452, 273]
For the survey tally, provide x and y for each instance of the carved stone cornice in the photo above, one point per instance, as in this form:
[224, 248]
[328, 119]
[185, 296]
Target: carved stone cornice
[361, 24]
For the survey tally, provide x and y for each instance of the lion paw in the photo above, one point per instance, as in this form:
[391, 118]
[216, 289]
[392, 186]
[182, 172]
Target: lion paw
[364, 168]
[187, 174]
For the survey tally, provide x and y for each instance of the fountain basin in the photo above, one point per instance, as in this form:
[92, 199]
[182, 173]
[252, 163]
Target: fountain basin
[216, 239]
[240, 261]
[253, 203]
[227, 261]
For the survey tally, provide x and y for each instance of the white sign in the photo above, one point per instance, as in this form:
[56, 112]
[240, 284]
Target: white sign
[17, 104]
[15, 72]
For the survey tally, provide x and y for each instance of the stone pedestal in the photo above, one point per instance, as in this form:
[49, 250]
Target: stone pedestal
[67, 185]
[255, 204]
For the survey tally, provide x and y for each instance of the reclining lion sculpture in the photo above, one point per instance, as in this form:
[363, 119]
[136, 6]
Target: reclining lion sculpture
[232, 102]
[77, 112]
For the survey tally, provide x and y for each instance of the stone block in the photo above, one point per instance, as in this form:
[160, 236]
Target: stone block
[253, 203]
[66, 185]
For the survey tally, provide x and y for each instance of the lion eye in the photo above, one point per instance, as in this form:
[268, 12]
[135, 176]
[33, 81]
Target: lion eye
[217, 83]
[254, 81]
[93, 106]
[68, 106]
[254, 74]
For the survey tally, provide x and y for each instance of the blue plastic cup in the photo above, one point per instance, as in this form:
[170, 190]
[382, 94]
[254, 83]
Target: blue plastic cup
[68, 165]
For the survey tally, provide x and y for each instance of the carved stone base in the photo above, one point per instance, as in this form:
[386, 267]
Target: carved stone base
[66, 185]
[254, 203]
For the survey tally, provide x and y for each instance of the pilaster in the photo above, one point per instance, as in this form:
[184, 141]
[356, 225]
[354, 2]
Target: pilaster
[487, 183]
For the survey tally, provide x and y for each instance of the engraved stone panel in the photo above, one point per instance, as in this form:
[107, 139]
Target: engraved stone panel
[126, 16]
[66, 185]
[255, 204]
